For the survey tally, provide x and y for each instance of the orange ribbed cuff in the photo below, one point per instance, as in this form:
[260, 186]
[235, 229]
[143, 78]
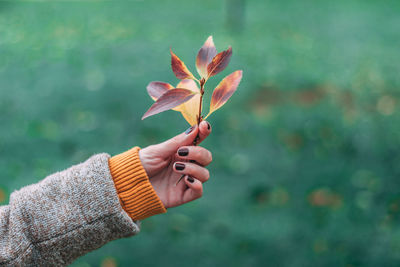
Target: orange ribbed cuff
[135, 191]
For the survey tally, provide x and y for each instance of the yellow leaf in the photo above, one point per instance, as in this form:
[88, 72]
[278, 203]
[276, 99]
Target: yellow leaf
[190, 109]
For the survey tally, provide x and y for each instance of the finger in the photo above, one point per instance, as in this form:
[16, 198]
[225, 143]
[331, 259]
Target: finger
[170, 146]
[204, 131]
[194, 191]
[197, 153]
[192, 169]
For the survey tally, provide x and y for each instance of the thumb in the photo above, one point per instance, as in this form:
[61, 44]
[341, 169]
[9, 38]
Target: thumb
[184, 139]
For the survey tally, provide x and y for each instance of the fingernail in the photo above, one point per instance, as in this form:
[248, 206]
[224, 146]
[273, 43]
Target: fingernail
[208, 126]
[190, 180]
[189, 130]
[183, 151]
[179, 166]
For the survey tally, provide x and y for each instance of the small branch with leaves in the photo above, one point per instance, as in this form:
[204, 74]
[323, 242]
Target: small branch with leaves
[187, 97]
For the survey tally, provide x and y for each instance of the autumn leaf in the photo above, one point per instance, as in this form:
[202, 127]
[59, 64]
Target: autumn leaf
[224, 90]
[190, 109]
[179, 68]
[187, 98]
[157, 89]
[170, 99]
[219, 62]
[205, 55]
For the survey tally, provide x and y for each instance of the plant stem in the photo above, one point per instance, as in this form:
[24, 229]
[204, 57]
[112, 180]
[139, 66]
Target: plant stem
[199, 119]
[199, 116]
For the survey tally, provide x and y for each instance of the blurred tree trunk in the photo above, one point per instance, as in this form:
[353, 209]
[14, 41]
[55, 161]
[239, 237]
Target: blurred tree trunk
[235, 18]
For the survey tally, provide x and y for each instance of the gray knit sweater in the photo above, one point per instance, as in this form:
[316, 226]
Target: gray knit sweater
[63, 217]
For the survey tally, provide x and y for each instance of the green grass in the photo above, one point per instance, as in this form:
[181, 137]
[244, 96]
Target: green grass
[306, 153]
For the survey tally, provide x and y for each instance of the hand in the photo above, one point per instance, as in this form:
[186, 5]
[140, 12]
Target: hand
[165, 166]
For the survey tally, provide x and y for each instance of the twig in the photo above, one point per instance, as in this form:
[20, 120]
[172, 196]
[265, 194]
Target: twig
[199, 119]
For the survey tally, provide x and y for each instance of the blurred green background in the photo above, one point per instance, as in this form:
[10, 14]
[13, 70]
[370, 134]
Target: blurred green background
[306, 154]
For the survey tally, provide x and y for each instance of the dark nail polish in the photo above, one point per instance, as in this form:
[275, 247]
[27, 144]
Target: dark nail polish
[189, 130]
[208, 126]
[179, 166]
[183, 151]
[190, 180]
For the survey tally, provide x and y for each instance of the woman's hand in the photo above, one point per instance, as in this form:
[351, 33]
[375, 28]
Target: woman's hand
[165, 163]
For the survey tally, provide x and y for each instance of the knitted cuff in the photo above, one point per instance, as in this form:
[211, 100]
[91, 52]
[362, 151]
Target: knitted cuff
[135, 191]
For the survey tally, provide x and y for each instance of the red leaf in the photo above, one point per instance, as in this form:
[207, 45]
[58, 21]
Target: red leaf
[206, 53]
[224, 90]
[157, 89]
[169, 100]
[179, 68]
[219, 62]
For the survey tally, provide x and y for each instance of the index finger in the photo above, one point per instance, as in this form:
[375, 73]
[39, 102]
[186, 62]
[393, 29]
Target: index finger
[204, 131]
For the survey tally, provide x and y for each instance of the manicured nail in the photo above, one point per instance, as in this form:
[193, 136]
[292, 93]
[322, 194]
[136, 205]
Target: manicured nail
[189, 130]
[208, 126]
[190, 180]
[184, 151]
[179, 166]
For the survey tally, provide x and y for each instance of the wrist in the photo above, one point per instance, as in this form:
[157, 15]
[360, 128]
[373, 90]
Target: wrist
[144, 160]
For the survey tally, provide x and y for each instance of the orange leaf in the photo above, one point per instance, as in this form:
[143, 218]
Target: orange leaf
[224, 90]
[157, 89]
[179, 68]
[169, 100]
[190, 109]
[219, 62]
[206, 53]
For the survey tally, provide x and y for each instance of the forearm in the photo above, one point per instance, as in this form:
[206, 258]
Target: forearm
[82, 208]
[63, 217]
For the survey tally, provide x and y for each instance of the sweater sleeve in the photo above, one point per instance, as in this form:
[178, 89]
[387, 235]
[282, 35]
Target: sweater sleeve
[136, 194]
[71, 213]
